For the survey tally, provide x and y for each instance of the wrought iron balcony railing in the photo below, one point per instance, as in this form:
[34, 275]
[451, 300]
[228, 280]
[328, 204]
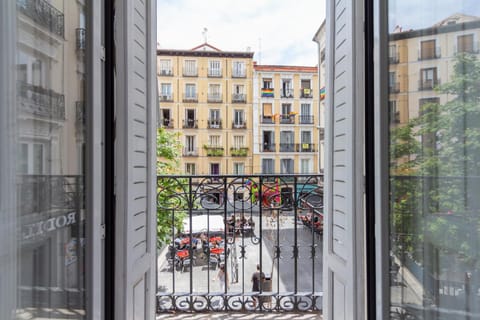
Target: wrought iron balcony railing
[190, 124]
[287, 93]
[166, 98]
[167, 123]
[306, 93]
[306, 147]
[239, 152]
[236, 223]
[239, 74]
[303, 119]
[428, 84]
[189, 72]
[214, 73]
[239, 124]
[166, 73]
[268, 147]
[239, 98]
[393, 58]
[287, 118]
[41, 102]
[192, 97]
[394, 87]
[267, 119]
[38, 194]
[214, 151]
[287, 147]
[190, 152]
[214, 124]
[44, 14]
[214, 98]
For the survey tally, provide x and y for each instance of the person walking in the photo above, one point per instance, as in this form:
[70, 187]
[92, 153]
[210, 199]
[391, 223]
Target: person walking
[222, 278]
[258, 278]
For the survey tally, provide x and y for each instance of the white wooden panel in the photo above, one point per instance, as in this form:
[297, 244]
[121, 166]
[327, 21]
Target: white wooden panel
[136, 130]
[343, 163]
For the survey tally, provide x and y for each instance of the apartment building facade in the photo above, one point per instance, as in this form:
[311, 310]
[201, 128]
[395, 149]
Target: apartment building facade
[285, 119]
[206, 95]
[320, 38]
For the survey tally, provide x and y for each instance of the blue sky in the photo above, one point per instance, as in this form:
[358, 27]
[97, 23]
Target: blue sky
[417, 14]
[279, 32]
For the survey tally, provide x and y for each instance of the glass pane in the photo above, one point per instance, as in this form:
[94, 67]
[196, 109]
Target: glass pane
[42, 59]
[434, 212]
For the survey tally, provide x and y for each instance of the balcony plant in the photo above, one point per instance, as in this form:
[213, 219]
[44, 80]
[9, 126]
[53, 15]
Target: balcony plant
[213, 151]
[239, 152]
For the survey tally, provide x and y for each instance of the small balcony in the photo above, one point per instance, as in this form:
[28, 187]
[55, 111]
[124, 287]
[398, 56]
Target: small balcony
[214, 123]
[239, 124]
[235, 221]
[306, 93]
[191, 97]
[214, 98]
[428, 84]
[167, 123]
[188, 72]
[239, 74]
[190, 152]
[214, 73]
[393, 58]
[267, 120]
[287, 118]
[287, 147]
[467, 48]
[306, 147]
[80, 34]
[239, 98]
[267, 93]
[306, 119]
[286, 93]
[239, 152]
[166, 98]
[395, 117]
[166, 73]
[268, 147]
[190, 124]
[43, 14]
[40, 102]
[214, 151]
[394, 87]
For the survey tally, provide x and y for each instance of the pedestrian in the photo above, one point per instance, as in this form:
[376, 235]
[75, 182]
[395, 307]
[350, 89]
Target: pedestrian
[258, 278]
[222, 278]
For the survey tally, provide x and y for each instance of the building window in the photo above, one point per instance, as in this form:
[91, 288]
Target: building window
[394, 114]
[214, 68]
[267, 116]
[190, 68]
[392, 54]
[268, 141]
[215, 122]
[31, 158]
[214, 169]
[165, 118]
[238, 69]
[267, 83]
[305, 166]
[214, 141]
[238, 168]
[190, 168]
[428, 50]
[287, 88]
[238, 142]
[190, 119]
[287, 141]
[286, 166]
[166, 92]
[239, 93]
[393, 85]
[238, 119]
[306, 113]
[428, 79]
[190, 94]
[214, 93]
[190, 144]
[268, 166]
[166, 67]
[465, 44]
[305, 88]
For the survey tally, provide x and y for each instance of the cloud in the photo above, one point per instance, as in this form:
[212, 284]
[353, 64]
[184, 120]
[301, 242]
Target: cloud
[280, 32]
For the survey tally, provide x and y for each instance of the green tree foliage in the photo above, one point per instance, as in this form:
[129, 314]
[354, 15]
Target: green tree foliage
[170, 212]
[440, 152]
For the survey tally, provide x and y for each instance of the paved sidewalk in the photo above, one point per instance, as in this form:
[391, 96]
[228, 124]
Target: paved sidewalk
[241, 316]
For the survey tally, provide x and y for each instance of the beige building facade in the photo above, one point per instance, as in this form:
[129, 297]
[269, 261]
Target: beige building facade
[285, 119]
[205, 94]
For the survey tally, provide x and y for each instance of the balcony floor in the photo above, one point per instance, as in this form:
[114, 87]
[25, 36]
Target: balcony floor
[241, 316]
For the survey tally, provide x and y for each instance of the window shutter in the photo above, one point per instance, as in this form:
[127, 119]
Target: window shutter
[135, 245]
[343, 275]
